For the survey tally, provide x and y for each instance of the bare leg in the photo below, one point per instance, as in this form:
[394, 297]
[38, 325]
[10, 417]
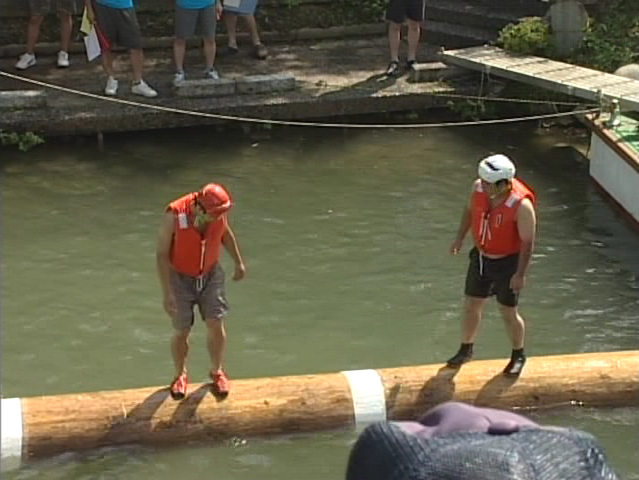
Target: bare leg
[137, 63]
[394, 36]
[216, 342]
[516, 331]
[414, 31]
[471, 318]
[252, 26]
[33, 32]
[209, 52]
[230, 19]
[107, 62]
[66, 27]
[515, 326]
[180, 349]
[473, 307]
[179, 48]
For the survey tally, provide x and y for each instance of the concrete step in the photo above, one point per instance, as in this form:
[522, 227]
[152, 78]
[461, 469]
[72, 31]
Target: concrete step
[449, 35]
[470, 14]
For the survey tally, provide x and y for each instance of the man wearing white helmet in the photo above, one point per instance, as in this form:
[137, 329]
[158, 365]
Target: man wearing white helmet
[501, 215]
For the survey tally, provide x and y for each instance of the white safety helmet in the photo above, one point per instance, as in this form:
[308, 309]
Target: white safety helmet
[494, 168]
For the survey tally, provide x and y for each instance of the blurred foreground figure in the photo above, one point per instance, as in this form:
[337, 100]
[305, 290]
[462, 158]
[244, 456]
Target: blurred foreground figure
[455, 441]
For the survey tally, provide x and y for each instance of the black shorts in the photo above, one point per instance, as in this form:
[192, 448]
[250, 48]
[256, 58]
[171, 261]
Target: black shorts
[487, 277]
[399, 10]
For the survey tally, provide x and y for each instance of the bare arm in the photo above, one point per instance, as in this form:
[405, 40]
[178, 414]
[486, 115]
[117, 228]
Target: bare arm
[464, 224]
[230, 244]
[527, 228]
[464, 221]
[165, 238]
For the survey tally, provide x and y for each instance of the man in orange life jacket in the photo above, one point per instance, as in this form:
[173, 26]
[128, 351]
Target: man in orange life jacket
[501, 215]
[193, 230]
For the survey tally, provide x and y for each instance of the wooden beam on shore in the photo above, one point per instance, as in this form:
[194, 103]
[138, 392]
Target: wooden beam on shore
[39, 427]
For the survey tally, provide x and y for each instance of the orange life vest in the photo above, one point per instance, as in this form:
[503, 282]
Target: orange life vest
[495, 230]
[192, 252]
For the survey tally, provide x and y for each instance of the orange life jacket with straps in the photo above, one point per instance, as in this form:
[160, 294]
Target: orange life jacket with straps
[194, 252]
[495, 229]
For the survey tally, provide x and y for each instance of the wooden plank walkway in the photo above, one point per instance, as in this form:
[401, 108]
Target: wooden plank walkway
[549, 74]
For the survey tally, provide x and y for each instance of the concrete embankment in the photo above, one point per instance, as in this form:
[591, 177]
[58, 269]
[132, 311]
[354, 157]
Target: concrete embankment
[331, 78]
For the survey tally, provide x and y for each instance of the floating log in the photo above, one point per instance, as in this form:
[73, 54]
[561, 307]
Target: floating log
[39, 427]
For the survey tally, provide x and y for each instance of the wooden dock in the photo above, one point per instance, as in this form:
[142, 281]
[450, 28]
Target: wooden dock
[549, 74]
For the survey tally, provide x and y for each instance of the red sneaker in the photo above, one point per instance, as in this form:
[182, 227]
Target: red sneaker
[220, 383]
[178, 387]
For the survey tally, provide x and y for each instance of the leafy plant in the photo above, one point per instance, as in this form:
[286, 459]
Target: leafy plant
[24, 141]
[531, 36]
[471, 109]
[368, 8]
[612, 39]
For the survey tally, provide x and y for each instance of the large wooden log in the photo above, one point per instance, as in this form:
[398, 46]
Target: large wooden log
[37, 427]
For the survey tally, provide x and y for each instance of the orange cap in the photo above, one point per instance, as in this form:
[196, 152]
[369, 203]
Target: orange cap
[214, 198]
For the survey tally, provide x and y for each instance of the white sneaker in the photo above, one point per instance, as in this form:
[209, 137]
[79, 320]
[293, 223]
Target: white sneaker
[178, 79]
[63, 59]
[111, 86]
[143, 89]
[212, 74]
[26, 60]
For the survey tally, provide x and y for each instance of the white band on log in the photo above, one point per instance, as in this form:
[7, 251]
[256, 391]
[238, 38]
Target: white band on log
[11, 426]
[369, 397]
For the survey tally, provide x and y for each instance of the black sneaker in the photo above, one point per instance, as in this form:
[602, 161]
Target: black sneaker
[410, 64]
[463, 355]
[393, 68]
[516, 365]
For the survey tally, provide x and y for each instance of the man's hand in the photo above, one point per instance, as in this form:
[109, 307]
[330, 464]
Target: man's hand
[517, 282]
[240, 271]
[219, 9]
[456, 246]
[170, 305]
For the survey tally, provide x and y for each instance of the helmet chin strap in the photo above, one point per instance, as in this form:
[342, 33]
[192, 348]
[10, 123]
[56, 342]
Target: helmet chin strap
[494, 191]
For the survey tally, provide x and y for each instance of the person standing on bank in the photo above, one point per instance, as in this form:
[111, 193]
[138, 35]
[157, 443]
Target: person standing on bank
[190, 16]
[119, 25]
[245, 9]
[501, 215]
[397, 12]
[194, 228]
[37, 10]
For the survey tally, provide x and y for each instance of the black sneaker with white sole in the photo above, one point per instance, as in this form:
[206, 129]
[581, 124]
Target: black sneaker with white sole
[393, 68]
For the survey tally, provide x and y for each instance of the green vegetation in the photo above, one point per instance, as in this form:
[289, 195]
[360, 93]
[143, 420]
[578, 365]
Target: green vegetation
[372, 10]
[531, 36]
[472, 110]
[24, 141]
[611, 39]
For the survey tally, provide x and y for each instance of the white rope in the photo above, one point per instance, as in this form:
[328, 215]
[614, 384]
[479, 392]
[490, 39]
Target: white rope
[289, 122]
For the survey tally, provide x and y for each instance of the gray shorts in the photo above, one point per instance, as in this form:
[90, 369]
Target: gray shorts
[189, 21]
[207, 292]
[119, 25]
[44, 7]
